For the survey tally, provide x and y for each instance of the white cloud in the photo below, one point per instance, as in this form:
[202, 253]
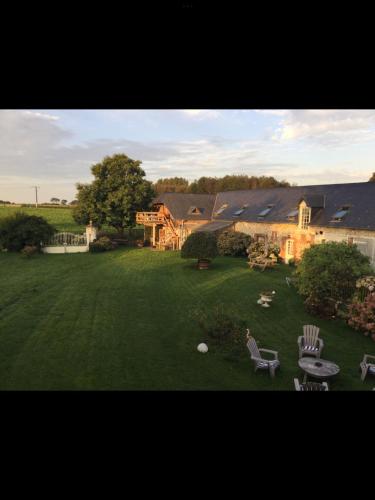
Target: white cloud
[201, 114]
[327, 127]
[33, 150]
[274, 112]
[46, 116]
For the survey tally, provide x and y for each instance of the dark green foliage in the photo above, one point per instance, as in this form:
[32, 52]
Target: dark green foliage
[118, 191]
[200, 245]
[19, 230]
[171, 185]
[220, 325]
[213, 185]
[329, 272]
[102, 244]
[233, 243]
[222, 328]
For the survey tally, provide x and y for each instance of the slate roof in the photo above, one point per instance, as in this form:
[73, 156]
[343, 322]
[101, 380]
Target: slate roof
[360, 196]
[180, 205]
[213, 226]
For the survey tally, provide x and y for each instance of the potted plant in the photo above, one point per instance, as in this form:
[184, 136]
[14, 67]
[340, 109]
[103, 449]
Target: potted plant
[201, 245]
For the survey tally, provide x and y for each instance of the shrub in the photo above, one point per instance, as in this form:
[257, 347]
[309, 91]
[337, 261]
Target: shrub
[329, 271]
[103, 244]
[20, 230]
[362, 315]
[222, 329]
[233, 243]
[200, 245]
[29, 250]
[259, 249]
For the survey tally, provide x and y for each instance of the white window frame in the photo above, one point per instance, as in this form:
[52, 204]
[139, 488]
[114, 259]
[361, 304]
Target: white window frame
[305, 217]
[289, 248]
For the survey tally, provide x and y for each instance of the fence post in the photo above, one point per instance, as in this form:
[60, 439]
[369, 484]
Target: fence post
[90, 233]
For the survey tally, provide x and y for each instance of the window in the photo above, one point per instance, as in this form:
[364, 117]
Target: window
[260, 238]
[241, 210]
[292, 214]
[274, 236]
[266, 211]
[194, 211]
[340, 214]
[289, 247]
[221, 209]
[305, 217]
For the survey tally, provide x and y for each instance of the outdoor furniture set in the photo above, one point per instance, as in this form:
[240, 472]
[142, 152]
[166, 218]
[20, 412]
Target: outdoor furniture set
[309, 344]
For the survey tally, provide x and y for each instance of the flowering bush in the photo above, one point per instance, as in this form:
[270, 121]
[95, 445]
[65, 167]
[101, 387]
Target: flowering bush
[329, 272]
[366, 282]
[362, 315]
[364, 286]
[259, 249]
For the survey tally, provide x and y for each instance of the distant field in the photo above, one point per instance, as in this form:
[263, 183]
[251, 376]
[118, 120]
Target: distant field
[61, 218]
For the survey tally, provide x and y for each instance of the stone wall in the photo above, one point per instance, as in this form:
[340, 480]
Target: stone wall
[304, 238]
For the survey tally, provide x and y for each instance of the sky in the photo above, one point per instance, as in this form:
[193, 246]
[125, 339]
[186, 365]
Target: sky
[54, 149]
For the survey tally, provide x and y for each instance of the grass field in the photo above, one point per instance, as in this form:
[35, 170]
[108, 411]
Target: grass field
[122, 320]
[60, 218]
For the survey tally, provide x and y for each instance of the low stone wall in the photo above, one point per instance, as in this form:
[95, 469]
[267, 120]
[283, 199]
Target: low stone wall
[66, 249]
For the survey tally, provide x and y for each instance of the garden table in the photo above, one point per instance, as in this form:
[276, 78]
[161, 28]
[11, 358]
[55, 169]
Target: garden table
[318, 368]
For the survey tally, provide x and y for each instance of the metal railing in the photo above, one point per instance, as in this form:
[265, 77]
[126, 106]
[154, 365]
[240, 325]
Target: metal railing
[66, 239]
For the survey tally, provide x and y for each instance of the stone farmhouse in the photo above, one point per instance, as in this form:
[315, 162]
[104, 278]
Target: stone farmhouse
[294, 217]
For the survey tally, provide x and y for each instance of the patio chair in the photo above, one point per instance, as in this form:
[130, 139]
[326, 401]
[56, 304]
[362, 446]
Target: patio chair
[259, 361]
[310, 386]
[310, 343]
[367, 367]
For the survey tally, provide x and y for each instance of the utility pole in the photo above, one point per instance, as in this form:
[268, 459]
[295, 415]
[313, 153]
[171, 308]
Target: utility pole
[36, 195]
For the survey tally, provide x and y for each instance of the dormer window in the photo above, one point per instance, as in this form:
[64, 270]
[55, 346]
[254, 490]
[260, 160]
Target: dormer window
[340, 214]
[194, 211]
[305, 217]
[221, 209]
[240, 211]
[292, 214]
[265, 212]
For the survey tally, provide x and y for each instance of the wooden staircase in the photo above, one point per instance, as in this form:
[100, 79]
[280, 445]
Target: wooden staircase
[166, 241]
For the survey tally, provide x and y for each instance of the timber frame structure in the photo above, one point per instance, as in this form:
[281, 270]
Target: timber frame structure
[173, 218]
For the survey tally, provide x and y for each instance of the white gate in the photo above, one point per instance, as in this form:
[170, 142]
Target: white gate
[66, 243]
[70, 239]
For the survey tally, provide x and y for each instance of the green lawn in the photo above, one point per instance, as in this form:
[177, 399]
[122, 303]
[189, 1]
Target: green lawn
[121, 320]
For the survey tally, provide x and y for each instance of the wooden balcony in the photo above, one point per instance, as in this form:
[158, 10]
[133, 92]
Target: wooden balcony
[146, 218]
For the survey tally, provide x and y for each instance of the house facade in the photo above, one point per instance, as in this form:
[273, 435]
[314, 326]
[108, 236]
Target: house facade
[294, 218]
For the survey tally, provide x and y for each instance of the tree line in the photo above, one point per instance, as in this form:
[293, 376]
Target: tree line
[213, 185]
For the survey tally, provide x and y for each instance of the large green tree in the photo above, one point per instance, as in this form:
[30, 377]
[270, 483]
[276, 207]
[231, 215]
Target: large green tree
[118, 191]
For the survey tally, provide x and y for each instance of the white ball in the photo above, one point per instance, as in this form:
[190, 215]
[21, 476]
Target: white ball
[202, 348]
